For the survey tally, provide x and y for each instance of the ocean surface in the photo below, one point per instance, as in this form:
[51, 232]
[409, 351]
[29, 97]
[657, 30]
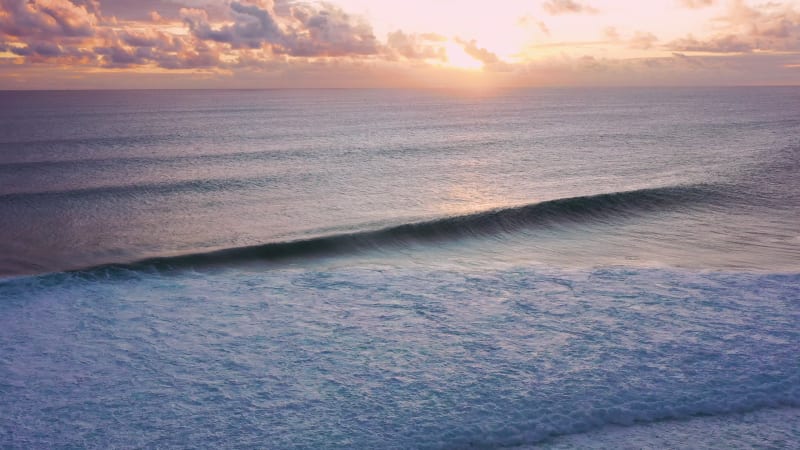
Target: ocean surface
[556, 268]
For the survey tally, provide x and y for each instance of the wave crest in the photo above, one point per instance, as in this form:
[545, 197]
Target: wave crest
[598, 209]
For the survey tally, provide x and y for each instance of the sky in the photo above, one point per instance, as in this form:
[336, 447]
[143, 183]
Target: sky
[84, 44]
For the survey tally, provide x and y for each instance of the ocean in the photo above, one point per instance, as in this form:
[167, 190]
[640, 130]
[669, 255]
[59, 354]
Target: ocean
[520, 268]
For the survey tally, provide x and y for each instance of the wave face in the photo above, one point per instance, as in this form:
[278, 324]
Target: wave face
[591, 211]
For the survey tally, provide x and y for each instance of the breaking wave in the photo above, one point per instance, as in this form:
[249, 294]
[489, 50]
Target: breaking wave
[589, 210]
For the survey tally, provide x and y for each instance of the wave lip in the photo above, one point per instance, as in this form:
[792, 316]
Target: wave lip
[600, 209]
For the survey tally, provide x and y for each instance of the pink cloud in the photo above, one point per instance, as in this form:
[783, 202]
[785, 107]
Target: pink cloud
[556, 7]
[696, 4]
[416, 46]
[490, 60]
[642, 40]
[771, 27]
[286, 42]
[300, 30]
[46, 19]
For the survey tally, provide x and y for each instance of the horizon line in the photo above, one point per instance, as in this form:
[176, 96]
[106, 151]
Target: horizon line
[409, 88]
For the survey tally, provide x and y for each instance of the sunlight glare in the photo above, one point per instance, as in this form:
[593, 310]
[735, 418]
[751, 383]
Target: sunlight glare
[460, 59]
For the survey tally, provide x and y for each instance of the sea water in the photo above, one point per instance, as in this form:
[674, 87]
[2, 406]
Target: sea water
[391, 268]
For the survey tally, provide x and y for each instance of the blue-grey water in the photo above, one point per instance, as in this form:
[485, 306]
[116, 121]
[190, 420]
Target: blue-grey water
[400, 269]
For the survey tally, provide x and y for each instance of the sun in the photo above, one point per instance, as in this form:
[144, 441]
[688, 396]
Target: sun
[460, 59]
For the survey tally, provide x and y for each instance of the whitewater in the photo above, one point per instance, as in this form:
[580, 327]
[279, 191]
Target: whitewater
[556, 268]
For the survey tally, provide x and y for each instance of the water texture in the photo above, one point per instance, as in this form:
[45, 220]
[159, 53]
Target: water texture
[557, 268]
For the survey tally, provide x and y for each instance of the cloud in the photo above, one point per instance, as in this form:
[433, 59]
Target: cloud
[720, 44]
[481, 54]
[46, 49]
[416, 46]
[528, 21]
[676, 69]
[72, 33]
[611, 33]
[771, 27]
[57, 30]
[140, 10]
[490, 60]
[40, 31]
[296, 29]
[556, 7]
[149, 47]
[642, 40]
[297, 42]
[47, 19]
[155, 17]
[690, 61]
[696, 4]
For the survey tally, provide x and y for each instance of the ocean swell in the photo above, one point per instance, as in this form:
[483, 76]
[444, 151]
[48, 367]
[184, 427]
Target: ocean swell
[601, 209]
